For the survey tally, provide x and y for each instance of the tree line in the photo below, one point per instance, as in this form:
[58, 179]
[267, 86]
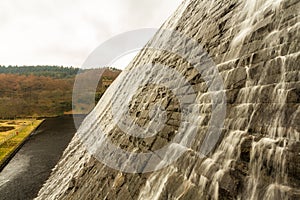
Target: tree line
[43, 91]
[41, 70]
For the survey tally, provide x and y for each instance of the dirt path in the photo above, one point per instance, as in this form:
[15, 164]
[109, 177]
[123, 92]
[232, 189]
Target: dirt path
[31, 166]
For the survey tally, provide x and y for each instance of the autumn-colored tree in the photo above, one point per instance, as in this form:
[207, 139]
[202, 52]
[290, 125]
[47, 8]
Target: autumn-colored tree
[27, 95]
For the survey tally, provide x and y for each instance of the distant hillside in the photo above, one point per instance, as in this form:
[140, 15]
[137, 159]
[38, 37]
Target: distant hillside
[48, 71]
[43, 90]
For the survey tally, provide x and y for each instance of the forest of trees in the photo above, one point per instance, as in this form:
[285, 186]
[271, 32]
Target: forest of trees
[42, 90]
[45, 70]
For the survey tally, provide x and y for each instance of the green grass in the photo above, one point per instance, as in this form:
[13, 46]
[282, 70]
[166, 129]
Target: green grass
[7, 148]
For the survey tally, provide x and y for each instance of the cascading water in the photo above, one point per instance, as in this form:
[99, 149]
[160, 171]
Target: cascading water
[255, 46]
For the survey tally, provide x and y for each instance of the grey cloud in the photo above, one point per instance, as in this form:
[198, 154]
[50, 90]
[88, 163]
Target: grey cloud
[76, 27]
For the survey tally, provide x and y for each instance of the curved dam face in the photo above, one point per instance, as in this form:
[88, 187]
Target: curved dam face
[231, 123]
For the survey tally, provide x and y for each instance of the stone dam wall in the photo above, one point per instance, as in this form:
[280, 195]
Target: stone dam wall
[255, 46]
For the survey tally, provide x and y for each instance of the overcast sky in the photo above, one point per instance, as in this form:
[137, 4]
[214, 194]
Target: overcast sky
[65, 32]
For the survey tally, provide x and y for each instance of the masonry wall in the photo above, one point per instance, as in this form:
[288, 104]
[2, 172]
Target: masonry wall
[255, 45]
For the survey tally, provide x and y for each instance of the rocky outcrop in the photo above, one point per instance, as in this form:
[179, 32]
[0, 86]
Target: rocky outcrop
[255, 45]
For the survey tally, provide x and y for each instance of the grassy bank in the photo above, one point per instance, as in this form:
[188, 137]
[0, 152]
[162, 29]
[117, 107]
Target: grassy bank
[18, 131]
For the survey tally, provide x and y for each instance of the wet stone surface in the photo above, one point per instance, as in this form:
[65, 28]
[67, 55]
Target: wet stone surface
[255, 45]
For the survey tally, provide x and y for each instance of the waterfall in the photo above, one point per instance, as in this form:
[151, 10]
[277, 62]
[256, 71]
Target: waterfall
[252, 154]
